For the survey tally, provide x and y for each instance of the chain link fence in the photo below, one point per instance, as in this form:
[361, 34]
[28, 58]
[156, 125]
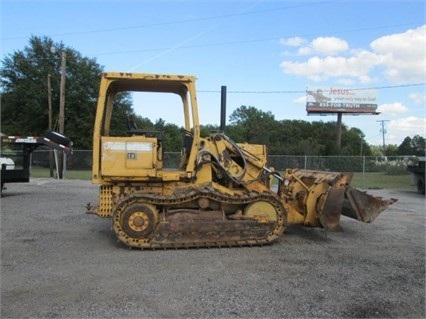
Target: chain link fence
[369, 171]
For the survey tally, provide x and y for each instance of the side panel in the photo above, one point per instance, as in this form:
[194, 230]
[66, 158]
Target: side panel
[134, 156]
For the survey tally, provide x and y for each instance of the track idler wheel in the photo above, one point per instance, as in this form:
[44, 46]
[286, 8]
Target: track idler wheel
[261, 211]
[265, 212]
[135, 221]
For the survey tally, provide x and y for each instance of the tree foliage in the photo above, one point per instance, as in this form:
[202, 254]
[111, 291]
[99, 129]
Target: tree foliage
[412, 146]
[294, 137]
[24, 78]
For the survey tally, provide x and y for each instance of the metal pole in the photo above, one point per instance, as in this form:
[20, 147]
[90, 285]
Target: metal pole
[339, 130]
[223, 109]
[49, 100]
[62, 104]
[56, 162]
[62, 92]
[363, 172]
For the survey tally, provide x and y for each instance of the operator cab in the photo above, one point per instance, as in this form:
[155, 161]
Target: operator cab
[130, 134]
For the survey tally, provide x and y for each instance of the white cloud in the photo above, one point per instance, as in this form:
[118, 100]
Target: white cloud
[404, 55]
[317, 68]
[329, 45]
[300, 100]
[392, 109]
[293, 42]
[418, 97]
[349, 81]
[397, 130]
[321, 45]
[304, 50]
[400, 57]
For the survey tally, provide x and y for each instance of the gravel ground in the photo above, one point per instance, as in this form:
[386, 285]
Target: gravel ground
[58, 262]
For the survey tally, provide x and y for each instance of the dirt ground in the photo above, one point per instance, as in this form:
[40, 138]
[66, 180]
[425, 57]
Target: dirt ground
[58, 262]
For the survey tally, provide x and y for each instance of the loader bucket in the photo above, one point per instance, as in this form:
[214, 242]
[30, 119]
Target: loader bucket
[319, 198]
[362, 206]
[332, 208]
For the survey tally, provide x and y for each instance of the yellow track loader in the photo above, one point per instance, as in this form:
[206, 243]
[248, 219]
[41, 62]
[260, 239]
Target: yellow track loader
[220, 194]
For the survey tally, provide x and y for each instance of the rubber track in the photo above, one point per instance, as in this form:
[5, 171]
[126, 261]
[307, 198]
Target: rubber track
[189, 195]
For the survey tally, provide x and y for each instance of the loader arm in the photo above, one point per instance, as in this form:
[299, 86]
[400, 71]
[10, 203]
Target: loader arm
[242, 164]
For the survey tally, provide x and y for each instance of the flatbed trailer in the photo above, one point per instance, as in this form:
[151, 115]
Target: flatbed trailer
[15, 156]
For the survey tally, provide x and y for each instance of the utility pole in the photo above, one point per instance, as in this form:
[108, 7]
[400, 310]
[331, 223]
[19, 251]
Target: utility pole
[61, 120]
[62, 92]
[62, 108]
[383, 130]
[49, 101]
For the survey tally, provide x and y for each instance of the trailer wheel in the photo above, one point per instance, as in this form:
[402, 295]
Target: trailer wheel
[421, 185]
[57, 138]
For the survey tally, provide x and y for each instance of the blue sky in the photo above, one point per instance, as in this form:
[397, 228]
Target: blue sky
[267, 52]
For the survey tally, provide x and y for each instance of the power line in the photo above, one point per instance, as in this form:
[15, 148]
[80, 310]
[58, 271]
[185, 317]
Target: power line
[219, 17]
[389, 87]
[253, 92]
[304, 91]
[143, 26]
[215, 18]
[253, 40]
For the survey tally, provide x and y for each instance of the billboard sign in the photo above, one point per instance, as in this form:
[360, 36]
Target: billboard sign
[341, 100]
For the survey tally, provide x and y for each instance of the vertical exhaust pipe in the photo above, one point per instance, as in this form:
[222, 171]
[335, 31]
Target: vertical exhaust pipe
[223, 108]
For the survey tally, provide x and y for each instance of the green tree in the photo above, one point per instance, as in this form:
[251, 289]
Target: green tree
[391, 150]
[353, 143]
[172, 135]
[405, 147]
[294, 137]
[255, 125]
[412, 146]
[235, 132]
[376, 150]
[123, 114]
[325, 135]
[209, 128]
[419, 146]
[24, 91]
[23, 83]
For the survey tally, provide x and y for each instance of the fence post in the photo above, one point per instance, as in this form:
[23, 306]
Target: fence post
[56, 163]
[64, 165]
[363, 172]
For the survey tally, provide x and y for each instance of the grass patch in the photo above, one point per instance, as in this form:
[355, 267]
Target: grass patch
[379, 180]
[71, 174]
